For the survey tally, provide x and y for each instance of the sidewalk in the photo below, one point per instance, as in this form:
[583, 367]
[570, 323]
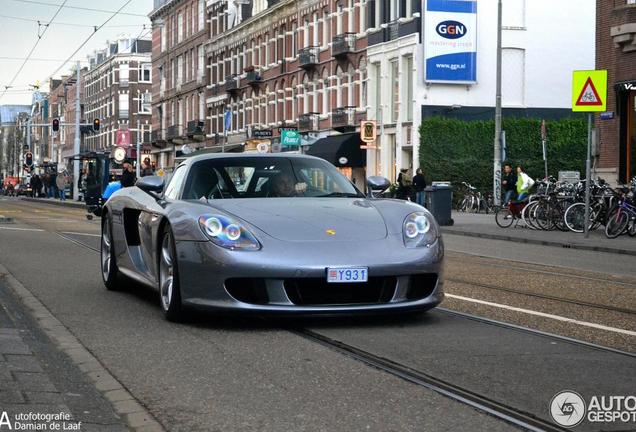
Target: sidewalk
[484, 226]
[57, 202]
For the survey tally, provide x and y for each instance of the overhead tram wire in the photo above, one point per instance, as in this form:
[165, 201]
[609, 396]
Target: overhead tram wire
[41, 22]
[40, 36]
[87, 39]
[79, 8]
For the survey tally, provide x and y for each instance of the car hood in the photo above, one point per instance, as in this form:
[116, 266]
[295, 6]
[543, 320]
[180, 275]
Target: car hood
[309, 219]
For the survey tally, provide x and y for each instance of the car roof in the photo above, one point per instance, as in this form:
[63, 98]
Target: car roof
[195, 159]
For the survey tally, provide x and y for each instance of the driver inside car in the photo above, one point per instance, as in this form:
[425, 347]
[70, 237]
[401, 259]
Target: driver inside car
[283, 185]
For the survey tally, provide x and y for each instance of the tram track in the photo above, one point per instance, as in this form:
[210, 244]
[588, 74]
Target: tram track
[542, 296]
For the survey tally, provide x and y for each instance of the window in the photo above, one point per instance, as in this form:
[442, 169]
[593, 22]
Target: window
[408, 69]
[175, 183]
[200, 72]
[394, 10]
[145, 101]
[201, 14]
[315, 31]
[326, 27]
[378, 91]
[123, 106]
[179, 71]
[306, 33]
[339, 20]
[146, 69]
[350, 13]
[124, 74]
[513, 84]
[180, 27]
[294, 40]
[395, 91]
[162, 31]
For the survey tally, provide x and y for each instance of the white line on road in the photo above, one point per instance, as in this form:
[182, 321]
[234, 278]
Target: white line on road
[78, 233]
[21, 229]
[545, 315]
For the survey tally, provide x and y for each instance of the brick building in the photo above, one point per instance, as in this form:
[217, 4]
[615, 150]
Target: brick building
[178, 92]
[117, 90]
[616, 52]
[288, 64]
[59, 95]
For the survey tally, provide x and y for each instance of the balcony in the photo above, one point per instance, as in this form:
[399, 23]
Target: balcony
[253, 78]
[231, 83]
[196, 129]
[343, 45]
[308, 57]
[158, 138]
[344, 119]
[173, 132]
[308, 122]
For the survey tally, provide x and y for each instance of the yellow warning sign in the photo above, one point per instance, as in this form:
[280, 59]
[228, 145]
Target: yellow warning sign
[589, 91]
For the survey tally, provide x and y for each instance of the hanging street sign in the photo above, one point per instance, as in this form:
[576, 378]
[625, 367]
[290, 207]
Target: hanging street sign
[368, 131]
[589, 91]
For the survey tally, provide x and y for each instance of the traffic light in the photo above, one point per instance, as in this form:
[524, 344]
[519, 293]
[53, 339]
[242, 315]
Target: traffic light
[28, 159]
[56, 125]
[96, 123]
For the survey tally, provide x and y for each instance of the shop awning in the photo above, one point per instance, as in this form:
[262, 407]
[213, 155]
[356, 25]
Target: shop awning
[341, 150]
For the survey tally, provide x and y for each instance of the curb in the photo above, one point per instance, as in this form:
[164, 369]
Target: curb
[134, 415]
[617, 251]
[69, 203]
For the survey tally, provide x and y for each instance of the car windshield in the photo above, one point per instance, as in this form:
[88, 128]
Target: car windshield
[266, 177]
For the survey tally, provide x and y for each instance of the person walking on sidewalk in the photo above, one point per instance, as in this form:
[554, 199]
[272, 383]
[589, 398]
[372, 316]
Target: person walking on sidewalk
[524, 183]
[128, 175]
[509, 183]
[419, 184]
[53, 185]
[60, 182]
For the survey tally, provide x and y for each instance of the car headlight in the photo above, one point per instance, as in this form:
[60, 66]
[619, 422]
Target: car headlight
[419, 230]
[228, 233]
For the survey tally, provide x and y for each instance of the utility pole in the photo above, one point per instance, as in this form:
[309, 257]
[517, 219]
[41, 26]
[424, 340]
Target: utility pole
[76, 142]
[138, 148]
[496, 174]
[29, 133]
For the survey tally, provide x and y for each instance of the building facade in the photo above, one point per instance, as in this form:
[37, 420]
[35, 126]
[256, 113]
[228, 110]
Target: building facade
[536, 78]
[180, 30]
[40, 134]
[615, 155]
[118, 91]
[283, 65]
[11, 139]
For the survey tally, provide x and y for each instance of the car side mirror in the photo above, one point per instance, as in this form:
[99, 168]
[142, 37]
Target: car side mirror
[152, 185]
[377, 184]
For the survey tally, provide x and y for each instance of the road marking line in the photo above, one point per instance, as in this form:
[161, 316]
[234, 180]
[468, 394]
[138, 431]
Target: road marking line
[78, 233]
[544, 315]
[21, 229]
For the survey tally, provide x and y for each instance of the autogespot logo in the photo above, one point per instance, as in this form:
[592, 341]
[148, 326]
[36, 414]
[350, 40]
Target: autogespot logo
[451, 29]
[567, 408]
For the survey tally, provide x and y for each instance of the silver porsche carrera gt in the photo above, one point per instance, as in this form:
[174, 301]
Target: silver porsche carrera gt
[270, 234]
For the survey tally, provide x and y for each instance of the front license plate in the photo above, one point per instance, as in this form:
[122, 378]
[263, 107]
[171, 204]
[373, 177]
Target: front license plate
[347, 274]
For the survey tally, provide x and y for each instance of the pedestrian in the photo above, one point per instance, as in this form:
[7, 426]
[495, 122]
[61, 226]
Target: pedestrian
[147, 168]
[53, 185]
[404, 181]
[524, 183]
[509, 183]
[419, 184]
[60, 182]
[128, 175]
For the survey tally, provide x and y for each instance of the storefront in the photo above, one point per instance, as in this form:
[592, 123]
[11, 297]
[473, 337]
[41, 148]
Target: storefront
[345, 153]
[626, 106]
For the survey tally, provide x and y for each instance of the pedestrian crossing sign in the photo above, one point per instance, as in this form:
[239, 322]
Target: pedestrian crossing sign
[589, 91]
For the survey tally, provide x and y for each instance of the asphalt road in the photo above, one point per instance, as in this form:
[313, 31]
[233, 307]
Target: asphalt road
[253, 374]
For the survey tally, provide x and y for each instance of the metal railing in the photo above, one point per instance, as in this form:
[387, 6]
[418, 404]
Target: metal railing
[343, 117]
[343, 44]
[308, 122]
[308, 57]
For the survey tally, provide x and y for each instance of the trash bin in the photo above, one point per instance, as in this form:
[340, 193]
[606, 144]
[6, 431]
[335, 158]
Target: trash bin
[439, 201]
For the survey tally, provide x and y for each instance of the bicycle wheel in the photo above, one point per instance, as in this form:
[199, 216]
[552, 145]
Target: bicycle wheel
[617, 223]
[527, 215]
[504, 217]
[631, 229]
[574, 217]
[542, 216]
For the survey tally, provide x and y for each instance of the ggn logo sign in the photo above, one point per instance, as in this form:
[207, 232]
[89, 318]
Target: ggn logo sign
[451, 29]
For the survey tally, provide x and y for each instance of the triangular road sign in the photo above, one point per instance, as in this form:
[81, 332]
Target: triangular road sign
[589, 96]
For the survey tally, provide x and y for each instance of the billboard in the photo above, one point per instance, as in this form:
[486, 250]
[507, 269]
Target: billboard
[450, 41]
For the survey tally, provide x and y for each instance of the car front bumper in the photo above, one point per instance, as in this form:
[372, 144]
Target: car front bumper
[404, 279]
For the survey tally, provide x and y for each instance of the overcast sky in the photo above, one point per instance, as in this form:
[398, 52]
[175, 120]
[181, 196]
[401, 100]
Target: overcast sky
[18, 36]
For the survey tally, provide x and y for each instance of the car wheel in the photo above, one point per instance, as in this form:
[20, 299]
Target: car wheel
[110, 273]
[169, 290]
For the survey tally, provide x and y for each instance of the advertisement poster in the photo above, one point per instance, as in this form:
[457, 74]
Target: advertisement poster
[122, 138]
[450, 41]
